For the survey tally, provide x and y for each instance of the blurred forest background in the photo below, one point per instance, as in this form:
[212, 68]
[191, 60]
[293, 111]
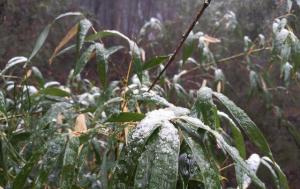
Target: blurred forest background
[22, 20]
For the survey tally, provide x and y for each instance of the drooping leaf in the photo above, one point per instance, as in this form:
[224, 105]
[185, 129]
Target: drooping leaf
[281, 176]
[209, 171]
[244, 180]
[126, 117]
[246, 124]
[68, 14]
[138, 138]
[237, 135]
[13, 62]
[234, 154]
[158, 164]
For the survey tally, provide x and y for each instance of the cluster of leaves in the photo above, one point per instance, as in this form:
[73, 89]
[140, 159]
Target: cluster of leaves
[119, 134]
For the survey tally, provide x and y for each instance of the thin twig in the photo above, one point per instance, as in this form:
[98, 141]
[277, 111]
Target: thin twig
[223, 60]
[184, 37]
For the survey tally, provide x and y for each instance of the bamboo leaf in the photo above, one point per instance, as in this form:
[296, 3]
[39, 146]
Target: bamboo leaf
[54, 91]
[102, 55]
[69, 163]
[126, 117]
[13, 62]
[83, 28]
[85, 57]
[237, 135]
[234, 154]
[20, 180]
[246, 124]
[281, 176]
[40, 41]
[208, 169]
[158, 164]
[152, 63]
[134, 49]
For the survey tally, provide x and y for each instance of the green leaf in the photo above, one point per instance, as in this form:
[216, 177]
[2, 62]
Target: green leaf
[234, 154]
[281, 176]
[286, 72]
[13, 62]
[83, 28]
[20, 180]
[104, 170]
[152, 63]
[102, 55]
[296, 55]
[205, 109]
[55, 147]
[156, 99]
[69, 163]
[138, 138]
[126, 117]
[237, 135]
[40, 42]
[2, 103]
[65, 50]
[134, 49]
[53, 91]
[246, 124]
[3, 164]
[83, 60]
[44, 34]
[38, 75]
[188, 49]
[272, 171]
[208, 169]
[158, 164]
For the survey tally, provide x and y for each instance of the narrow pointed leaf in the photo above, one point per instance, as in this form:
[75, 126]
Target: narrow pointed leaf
[234, 154]
[40, 41]
[246, 124]
[126, 117]
[69, 163]
[237, 135]
[83, 28]
[20, 180]
[85, 57]
[209, 172]
[13, 62]
[71, 33]
[158, 164]
[281, 176]
[134, 49]
[154, 62]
